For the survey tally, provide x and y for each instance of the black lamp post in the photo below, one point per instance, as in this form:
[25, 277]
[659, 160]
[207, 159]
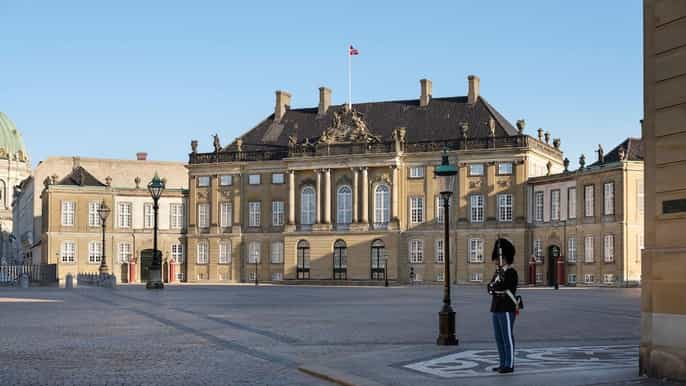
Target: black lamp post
[103, 212]
[445, 174]
[385, 271]
[155, 187]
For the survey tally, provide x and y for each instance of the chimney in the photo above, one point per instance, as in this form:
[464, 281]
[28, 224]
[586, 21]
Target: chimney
[141, 156]
[473, 92]
[324, 100]
[283, 103]
[425, 97]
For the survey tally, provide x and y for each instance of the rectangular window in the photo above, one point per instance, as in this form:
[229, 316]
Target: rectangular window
[94, 252]
[588, 278]
[254, 179]
[505, 207]
[571, 203]
[588, 200]
[226, 180]
[417, 172]
[203, 181]
[505, 168]
[608, 278]
[93, 215]
[588, 249]
[440, 276]
[68, 209]
[177, 253]
[640, 198]
[571, 250]
[476, 251]
[538, 250]
[125, 253]
[68, 252]
[609, 198]
[148, 215]
[539, 277]
[254, 213]
[278, 178]
[476, 169]
[476, 277]
[416, 251]
[554, 205]
[609, 248]
[204, 215]
[254, 252]
[176, 216]
[538, 205]
[277, 252]
[277, 213]
[440, 213]
[203, 252]
[476, 208]
[224, 252]
[438, 249]
[416, 210]
[277, 276]
[571, 278]
[252, 275]
[226, 212]
[124, 210]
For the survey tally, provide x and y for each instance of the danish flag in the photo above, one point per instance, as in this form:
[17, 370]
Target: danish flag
[353, 51]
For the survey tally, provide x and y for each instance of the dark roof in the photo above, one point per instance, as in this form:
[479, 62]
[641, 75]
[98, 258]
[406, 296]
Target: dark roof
[80, 177]
[633, 151]
[439, 120]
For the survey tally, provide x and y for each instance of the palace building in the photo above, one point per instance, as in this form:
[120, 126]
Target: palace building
[339, 192]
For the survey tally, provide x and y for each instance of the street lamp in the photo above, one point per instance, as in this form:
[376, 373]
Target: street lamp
[155, 187]
[445, 174]
[103, 212]
[385, 270]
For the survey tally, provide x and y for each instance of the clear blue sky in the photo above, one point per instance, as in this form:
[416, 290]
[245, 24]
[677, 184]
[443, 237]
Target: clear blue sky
[107, 79]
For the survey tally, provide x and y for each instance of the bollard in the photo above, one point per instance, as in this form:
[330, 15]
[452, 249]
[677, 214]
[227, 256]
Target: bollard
[69, 281]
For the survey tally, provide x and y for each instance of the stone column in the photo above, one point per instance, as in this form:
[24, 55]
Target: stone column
[365, 196]
[319, 196]
[327, 197]
[291, 197]
[356, 194]
[396, 188]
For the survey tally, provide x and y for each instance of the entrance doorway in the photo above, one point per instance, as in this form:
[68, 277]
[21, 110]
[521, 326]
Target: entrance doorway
[303, 263]
[146, 262]
[553, 254]
[340, 260]
[378, 260]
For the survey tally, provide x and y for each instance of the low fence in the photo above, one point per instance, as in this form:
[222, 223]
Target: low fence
[43, 274]
[97, 280]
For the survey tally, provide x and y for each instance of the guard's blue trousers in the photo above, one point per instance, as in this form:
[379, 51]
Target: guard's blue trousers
[503, 325]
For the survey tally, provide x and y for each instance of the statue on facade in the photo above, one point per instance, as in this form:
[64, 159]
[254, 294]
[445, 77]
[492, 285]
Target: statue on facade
[194, 146]
[216, 143]
[348, 127]
[601, 154]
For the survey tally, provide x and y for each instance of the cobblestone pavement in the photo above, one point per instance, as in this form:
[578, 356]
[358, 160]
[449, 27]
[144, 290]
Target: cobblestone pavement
[242, 335]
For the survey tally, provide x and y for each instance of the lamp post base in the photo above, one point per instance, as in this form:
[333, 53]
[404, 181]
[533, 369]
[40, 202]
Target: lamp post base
[103, 269]
[155, 281]
[446, 328]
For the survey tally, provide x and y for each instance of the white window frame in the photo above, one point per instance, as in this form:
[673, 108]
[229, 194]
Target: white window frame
[203, 215]
[640, 198]
[93, 215]
[94, 252]
[476, 251]
[277, 276]
[609, 248]
[224, 252]
[254, 214]
[476, 170]
[177, 253]
[440, 212]
[344, 205]
[254, 252]
[416, 251]
[589, 200]
[68, 212]
[177, 214]
[124, 252]
[254, 179]
[276, 252]
[555, 205]
[571, 278]
[476, 208]
[278, 208]
[609, 278]
[68, 252]
[589, 278]
[571, 250]
[203, 181]
[440, 277]
[539, 204]
[505, 168]
[225, 214]
[124, 214]
[476, 277]
[588, 249]
[308, 205]
[609, 198]
[439, 255]
[148, 215]
[225, 180]
[278, 179]
[252, 275]
[538, 250]
[203, 256]
[416, 210]
[571, 203]
[505, 207]
[416, 171]
[382, 203]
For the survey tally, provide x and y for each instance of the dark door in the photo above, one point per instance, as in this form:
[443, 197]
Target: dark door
[378, 261]
[146, 261]
[340, 261]
[303, 263]
[553, 254]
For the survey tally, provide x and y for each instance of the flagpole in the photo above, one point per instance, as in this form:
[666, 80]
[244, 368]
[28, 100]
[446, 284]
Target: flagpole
[350, 79]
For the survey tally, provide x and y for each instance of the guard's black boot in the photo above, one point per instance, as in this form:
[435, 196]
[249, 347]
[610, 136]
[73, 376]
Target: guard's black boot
[505, 370]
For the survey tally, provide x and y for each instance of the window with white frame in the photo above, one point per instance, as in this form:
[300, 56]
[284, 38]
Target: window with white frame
[539, 277]
[177, 253]
[505, 207]
[94, 252]
[505, 168]
[344, 205]
[254, 252]
[254, 179]
[476, 277]
[278, 178]
[224, 252]
[588, 201]
[609, 198]
[124, 253]
[176, 215]
[277, 276]
[476, 251]
[203, 181]
[203, 215]
[571, 278]
[476, 169]
[571, 250]
[640, 197]
[538, 250]
[608, 278]
[277, 213]
[571, 203]
[225, 214]
[438, 250]
[440, 276]
[609, 248]
[254, 213]
[416, 251]
[555, 205]
[68, 209]
[93, 215]
[307, 205]
[417, 172]
[476, 208]
[276, 252]
[588, 249]
[68, 252]
[180, 276]
[588, 278]
[203, 252]
[252, 275]
[148, 215]
[382, 203]
[226, 180]
[416, 210]
[124, 214]
[440, 212]
[538, 206]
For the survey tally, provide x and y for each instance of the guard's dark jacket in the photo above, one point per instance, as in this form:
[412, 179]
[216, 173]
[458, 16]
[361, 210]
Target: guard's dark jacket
[501, 302]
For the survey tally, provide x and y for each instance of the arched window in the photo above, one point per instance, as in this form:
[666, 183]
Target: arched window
[382, 204]
[344, 205]
[378, 260]
[340, 260]
[307, 206]
[303, 263]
